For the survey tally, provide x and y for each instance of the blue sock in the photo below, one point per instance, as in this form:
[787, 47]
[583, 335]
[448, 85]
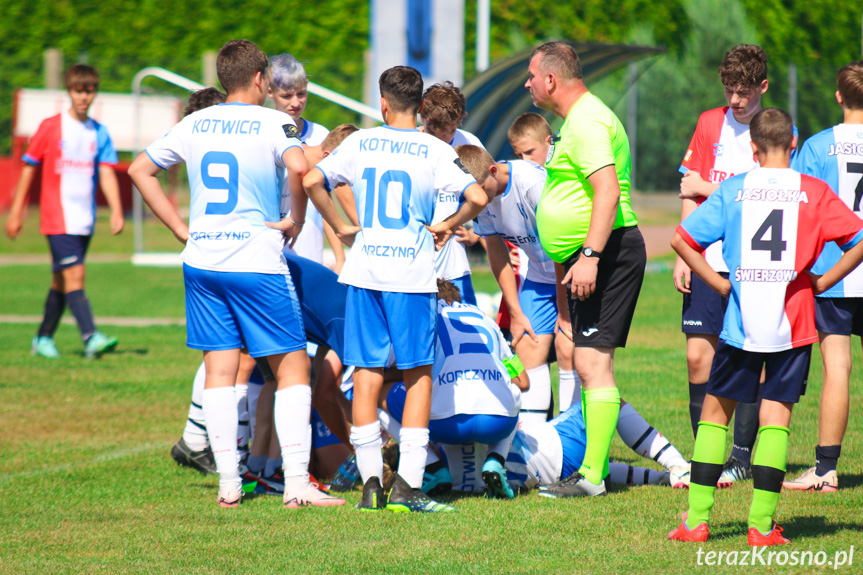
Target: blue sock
[55, 303]
[80, 306]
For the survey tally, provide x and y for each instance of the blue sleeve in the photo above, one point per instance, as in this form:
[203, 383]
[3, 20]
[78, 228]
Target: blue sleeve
[707, 223]
[806, 160]
[107, 154]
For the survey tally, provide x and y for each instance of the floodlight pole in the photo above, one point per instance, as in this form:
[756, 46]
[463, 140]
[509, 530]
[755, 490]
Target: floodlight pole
[483, 34]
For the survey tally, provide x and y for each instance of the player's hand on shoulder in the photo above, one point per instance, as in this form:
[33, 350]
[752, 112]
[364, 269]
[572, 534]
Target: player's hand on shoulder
[441, 233]
[13, 226]
[682, 276]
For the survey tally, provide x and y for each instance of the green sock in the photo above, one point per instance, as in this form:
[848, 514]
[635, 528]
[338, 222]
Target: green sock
[707, 460]
[601, 408]
[768, 471]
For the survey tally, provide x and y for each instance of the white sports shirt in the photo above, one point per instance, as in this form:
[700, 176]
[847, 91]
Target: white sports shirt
[395, 175]
[468, 376]
[451, 261]
[512, 215]
[310, 242]
[233, 154]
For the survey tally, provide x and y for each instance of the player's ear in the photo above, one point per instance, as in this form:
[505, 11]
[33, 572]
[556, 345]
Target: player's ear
[754, 147]
[762, 88]
[839, 99]
[793, 142]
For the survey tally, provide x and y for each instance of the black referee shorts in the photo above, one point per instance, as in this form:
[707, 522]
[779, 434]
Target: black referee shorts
[603, 319]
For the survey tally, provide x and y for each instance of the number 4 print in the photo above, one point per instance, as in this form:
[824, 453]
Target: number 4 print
[775, 245]
[858, 191]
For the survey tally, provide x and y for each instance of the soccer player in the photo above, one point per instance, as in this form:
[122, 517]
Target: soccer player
[77, 154]
[836, 156]
[531, 139]
[395, 172]
[719, 149]
[477, 386]
[543, 453]
[516, 188]
[239, 293]
[289, 92]
[774, 222]
[588, 227]
[442, 112]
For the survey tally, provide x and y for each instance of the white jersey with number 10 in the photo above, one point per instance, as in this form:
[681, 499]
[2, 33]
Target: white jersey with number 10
[395, 175]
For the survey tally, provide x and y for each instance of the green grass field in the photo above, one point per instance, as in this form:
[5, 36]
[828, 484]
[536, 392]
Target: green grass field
[87, 484]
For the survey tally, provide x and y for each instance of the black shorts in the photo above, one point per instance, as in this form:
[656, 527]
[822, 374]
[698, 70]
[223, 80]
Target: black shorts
[735, 374]
[839, 315]
[603, 319]
[703, 309]
[67, 250]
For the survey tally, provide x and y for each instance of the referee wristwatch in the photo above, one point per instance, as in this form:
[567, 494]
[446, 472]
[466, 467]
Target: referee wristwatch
[590, 253]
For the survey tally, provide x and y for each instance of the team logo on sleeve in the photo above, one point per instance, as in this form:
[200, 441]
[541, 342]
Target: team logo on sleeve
[688, 156]
[718, 149]
[291, 131]
[458, 163]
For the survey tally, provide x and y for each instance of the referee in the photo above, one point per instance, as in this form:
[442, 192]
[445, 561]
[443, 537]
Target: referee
[588, 227]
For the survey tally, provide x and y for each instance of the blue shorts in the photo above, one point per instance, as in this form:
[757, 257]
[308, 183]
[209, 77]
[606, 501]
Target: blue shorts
[539, 303]
[465, 288]
[461, 428]
[67, 250]
[573, 438]
[839, 315]
[376, 320]
[232, 310]
[321, 434]
[703, 309]
[735, 374]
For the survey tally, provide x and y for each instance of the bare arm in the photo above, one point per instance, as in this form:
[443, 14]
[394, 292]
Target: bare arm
[846, 264]
[345, 196]
[498, 258]
[13, 222]
[699, 265]
[314, 184]
[143, 173]
[682, 273]
[297, 166]
[475, 201]
[606, 196]
[692, 186]
[111, 189]
[336, 246]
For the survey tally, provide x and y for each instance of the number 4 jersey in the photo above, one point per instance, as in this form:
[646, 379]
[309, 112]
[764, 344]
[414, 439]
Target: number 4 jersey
[774, 223]
[233, 154]
[395, 175]
[836, 156]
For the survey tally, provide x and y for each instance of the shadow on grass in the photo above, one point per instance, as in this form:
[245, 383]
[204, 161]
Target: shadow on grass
[816, 526]
[120, 351]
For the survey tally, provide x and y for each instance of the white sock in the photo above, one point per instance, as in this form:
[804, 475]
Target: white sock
[645, 440]
[431, 457]
[392, 427]
[622, 474]
[252, 395]
[195, 432]
[220, 413]
[502, 447]
[292, 414]
[413, 444]
[569, 388]
[241, 389]
[366, 440]
[536, 400]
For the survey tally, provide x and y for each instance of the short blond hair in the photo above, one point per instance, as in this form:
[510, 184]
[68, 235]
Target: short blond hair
[529, 125]
[477, 161]
[337, 136]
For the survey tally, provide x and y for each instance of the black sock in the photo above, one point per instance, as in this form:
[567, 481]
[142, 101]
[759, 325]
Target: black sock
[496, 457]
[80, 306]
[697, 393]
[745, 431]
[55, 303]
[826, 457]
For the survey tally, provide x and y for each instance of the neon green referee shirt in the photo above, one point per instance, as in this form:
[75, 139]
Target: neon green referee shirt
[591, 138]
